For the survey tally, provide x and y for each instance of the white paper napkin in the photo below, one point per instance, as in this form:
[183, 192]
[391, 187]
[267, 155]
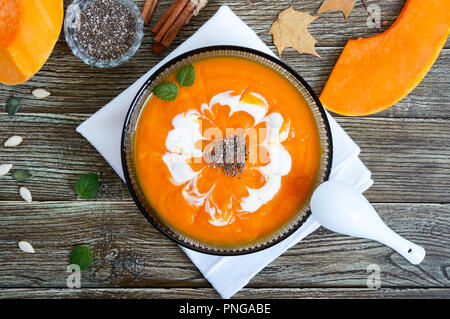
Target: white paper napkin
[227, 274]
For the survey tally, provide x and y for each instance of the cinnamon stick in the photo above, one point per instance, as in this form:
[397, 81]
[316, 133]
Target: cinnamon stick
[147, 10]
[177, 4]
[175, 18]
[180, 4]
[158, 48]
[184, 17]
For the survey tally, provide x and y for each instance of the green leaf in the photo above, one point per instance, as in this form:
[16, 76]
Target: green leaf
[12, 106]
[186, 76]
[166, 91]
[81, 256]
[21, 175]
[87, 186]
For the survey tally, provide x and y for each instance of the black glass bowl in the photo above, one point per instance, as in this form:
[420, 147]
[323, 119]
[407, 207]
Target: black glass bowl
[132, 119]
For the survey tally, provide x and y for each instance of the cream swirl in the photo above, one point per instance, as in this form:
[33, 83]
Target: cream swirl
[181, 148]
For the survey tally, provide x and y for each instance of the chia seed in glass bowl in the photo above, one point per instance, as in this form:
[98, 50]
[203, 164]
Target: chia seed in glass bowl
[103, 33]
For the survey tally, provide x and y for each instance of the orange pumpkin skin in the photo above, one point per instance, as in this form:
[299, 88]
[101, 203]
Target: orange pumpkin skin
[374, 73]
[29, 30]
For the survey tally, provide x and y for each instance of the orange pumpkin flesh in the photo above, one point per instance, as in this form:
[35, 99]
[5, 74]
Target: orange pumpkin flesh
[29, 30]
[374, 73]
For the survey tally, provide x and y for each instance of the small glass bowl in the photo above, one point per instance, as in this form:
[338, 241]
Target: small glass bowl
[72, 23]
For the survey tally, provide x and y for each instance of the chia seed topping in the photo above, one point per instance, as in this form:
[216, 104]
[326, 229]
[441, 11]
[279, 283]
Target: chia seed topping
[230, 154]
[107, 29]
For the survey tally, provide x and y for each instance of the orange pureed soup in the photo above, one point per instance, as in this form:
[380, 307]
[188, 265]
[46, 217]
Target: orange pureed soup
[227, 203]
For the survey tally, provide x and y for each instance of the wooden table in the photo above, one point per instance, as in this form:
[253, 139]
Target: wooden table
[407, 148]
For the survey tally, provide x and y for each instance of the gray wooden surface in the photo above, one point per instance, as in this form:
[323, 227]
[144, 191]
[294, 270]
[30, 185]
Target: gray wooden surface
[406, 147]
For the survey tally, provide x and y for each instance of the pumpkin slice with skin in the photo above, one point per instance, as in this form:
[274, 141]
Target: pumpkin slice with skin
[374, 73]
[29, 30]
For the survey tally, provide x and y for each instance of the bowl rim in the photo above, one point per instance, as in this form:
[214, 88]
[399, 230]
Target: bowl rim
[134, 104]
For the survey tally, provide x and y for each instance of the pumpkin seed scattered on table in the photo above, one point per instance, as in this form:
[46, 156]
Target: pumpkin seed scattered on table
[25, 194]
[4, 169]
[40, 93]
[13, 141]
[26, 247]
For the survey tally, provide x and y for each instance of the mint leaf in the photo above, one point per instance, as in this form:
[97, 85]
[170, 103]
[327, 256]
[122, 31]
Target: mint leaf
[186, 76]
[12, 106]
[166, 91]
[81, 256]
[87, 186]
[21, 175]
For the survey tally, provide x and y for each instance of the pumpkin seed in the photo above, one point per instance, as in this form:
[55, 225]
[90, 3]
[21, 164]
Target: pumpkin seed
[26, 247]
[40, 93]
[4, 169]
[25, 194]
[13, 141]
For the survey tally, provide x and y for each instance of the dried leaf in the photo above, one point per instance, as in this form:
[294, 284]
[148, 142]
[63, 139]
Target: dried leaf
[346, 6]
[291, 30]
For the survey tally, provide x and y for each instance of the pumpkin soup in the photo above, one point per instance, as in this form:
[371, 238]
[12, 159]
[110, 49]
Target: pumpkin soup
[233, 158]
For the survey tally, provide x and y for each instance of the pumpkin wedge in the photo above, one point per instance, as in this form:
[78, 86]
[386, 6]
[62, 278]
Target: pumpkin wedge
[29, 30]
[374, 73]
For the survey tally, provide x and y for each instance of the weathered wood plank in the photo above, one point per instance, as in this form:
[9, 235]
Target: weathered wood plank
[77, 88]
[330, 30]
[129, 252]
[409, 158]
[250, 293]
